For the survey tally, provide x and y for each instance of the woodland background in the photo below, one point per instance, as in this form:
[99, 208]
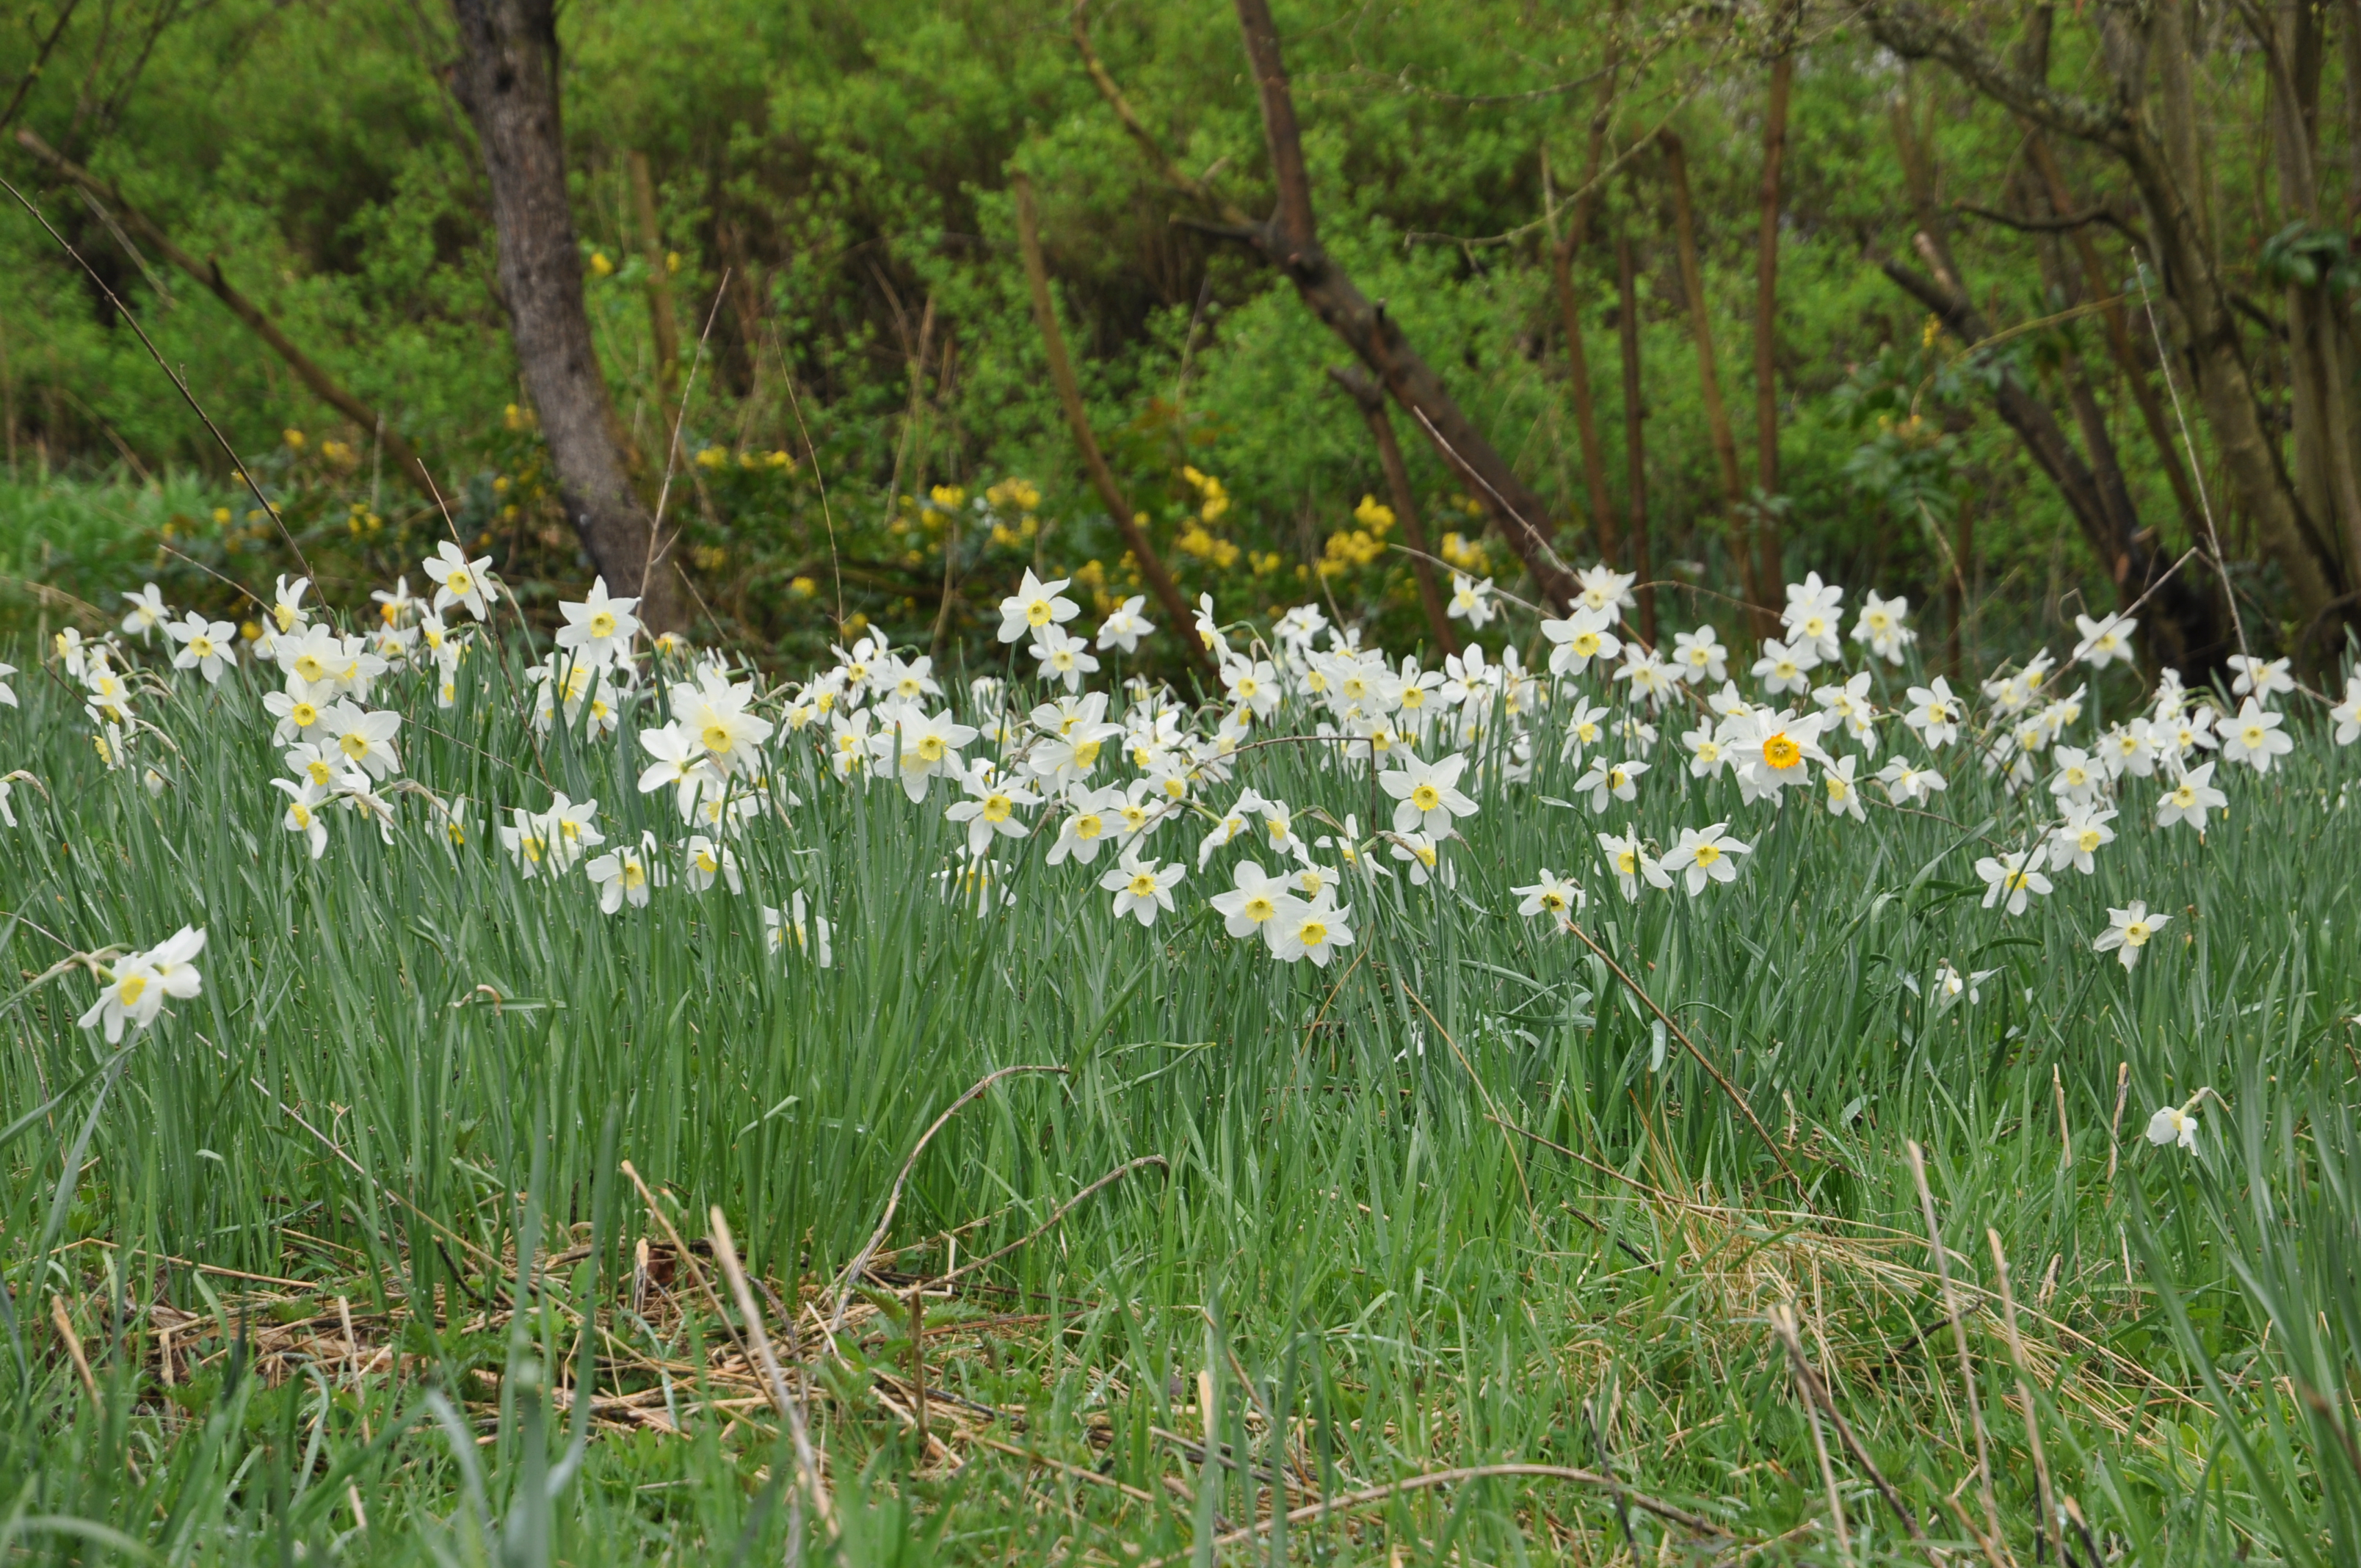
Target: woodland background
[821, 196]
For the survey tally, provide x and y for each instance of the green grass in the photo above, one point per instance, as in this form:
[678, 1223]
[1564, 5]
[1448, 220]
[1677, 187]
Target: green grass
[411, 1069]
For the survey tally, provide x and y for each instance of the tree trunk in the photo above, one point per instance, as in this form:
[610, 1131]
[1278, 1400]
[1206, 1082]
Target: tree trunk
[1716, 412]
[1069, 396]
[507, 78]
[1768, 568]
[1290, 242]
[1562, 255]
[666, 329]
[2158, 139]
[1371, 400]
[1635, 441]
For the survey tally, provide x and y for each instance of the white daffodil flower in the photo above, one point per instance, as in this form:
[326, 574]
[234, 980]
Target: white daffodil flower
[1141, 888]
[626, 875]
[1706, 856]
[2012, 877]
[2128, 930]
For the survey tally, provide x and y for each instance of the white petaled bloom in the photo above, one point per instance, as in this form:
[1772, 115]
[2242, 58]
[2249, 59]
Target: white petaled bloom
[1471, 601]
[1090, 819]
[626, 874]
[599, 629]
[147, 612]
[287, 605]
[1650, 676]
[2175, 1124]
[707, 860]
[527, 842]
[208, 647]
[717, 716]
[2128, 931]
[1141, 888]
[1124, 626]
[1843, 794]
[680, 766]
[2255, 737]
[1704, 856]
[783, 928]
[920, 747]
[1784, 669]
[572, 826]
[302, 813]
[395, 605]
[2105, 641]
[990, 811]
[1698, 656]
[1580, 638]
[363, 740]
[2347, 713]
[1253, 684]
[138, 984]
[7, 692]
[2074, 842]
[1770, 748]
[1604, 588]
[1064, 658]
[1423, 857]
[2260, 679]
[1426, 794]
[1811, 618]
[1935, 714]
[1582, 729]
[1850, 706]
[1550, 895]
[1034, 605]
[1707, 755]
[1882, 625]
[1256, 900]
[2012, 877]
[2078, 778]
[1209, 630]
[1952, 986]
[1312, 930]
[300, 709]
[458, 581]
[1632, 864]
[1605, 780]
[2190, 799]
[2128, 749]
[7, 812]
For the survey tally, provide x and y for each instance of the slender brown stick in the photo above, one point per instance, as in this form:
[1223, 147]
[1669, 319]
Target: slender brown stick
[2046, 1493]
[64, 1321]
[893, 1199]
[1717, 412]
[1109, 1180]
[1960, 1333]
[1783, 1323]
[1433, 1478]
[1689, 1046]
[179, 384]
[1069, 396]
[1815, 1388]
[2116, 1127]
[41, 60]
[1635, 441]
[1371, 397]
[790, 1409]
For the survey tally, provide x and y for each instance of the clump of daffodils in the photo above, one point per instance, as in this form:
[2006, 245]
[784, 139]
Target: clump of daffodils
[1098, 784]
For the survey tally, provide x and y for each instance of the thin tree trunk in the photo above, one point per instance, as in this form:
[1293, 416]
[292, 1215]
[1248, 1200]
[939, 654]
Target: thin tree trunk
[1635, 447]
[321, 385]
[2128, 358]
[507, 79]
[1562, 255]
[1070, 395]
[652, 249]
[1289, 242]
[2156, 137]
[1717, 412]
[1768, 572]
[1371, 399]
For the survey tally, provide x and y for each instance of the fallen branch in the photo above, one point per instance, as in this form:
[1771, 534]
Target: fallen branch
[893, 1199]
[1434, 1478]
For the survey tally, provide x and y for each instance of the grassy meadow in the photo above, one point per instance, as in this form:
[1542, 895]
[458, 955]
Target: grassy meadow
[397, 1240]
